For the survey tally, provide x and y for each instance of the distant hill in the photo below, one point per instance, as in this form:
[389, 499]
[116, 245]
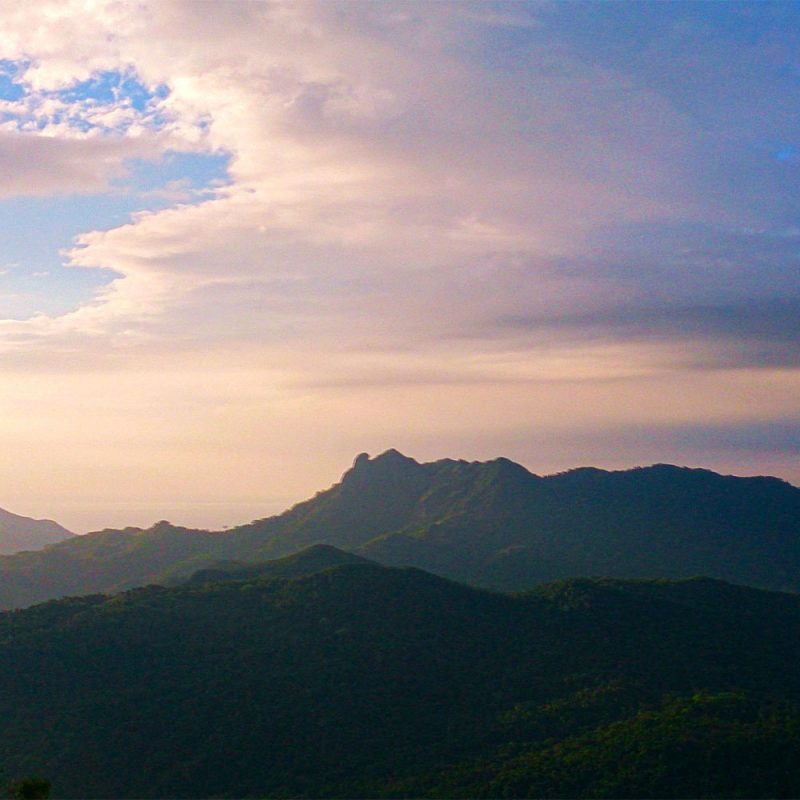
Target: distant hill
[490, 524]
[366, 681]
[313, 559]
[23, 533]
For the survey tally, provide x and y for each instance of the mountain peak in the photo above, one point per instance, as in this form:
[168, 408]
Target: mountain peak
[388, 468]
[162, 526]
[313, 559]
[508, 467]
[388, 460]
[362, 459]
[392, 456]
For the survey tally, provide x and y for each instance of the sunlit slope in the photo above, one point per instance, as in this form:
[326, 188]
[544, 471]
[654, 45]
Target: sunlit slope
[489, 523]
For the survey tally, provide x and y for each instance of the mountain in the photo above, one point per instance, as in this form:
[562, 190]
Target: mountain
[23, 533]
[367, 681]
[496, 524]
[491, 524]
[315, 558]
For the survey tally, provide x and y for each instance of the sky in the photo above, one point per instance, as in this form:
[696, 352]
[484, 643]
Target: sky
[242, 242]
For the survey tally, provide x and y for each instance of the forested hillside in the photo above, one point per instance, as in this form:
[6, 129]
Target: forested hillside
[490, 524]
[366, 681]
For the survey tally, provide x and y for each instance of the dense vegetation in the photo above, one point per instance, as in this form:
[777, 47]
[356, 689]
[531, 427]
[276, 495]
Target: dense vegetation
[491, 524]
[364, 681]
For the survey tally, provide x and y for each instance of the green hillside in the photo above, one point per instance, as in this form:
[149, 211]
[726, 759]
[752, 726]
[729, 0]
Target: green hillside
[491, 524]
[366, 681]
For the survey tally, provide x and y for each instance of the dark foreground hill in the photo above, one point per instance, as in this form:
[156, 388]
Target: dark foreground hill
[486, 523]
[23, 533]
[367, 681]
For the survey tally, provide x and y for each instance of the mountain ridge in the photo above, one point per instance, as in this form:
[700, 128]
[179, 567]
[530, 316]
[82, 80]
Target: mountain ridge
[492, 524]
[18, 533]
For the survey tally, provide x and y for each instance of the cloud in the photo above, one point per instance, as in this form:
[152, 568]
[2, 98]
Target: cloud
[43, 165]
[772, 436]
[750, 334]
[364, 138]
[391, 190]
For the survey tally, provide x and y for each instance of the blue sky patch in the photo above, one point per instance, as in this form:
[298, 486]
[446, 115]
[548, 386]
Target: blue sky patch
[109, 89]
[113, 87]
[197, 170]
[37, 230]
[9, 89]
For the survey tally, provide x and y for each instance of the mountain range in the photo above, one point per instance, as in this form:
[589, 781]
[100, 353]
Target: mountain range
[23, 533]
[344, 678]
[492, 524]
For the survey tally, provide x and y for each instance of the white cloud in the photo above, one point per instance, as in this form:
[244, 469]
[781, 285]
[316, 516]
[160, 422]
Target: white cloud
[366, 151]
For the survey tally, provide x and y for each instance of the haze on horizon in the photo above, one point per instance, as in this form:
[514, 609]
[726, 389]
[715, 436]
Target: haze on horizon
[244, 242]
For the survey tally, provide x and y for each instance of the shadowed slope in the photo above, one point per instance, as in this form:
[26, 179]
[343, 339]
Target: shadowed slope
[366, 681]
